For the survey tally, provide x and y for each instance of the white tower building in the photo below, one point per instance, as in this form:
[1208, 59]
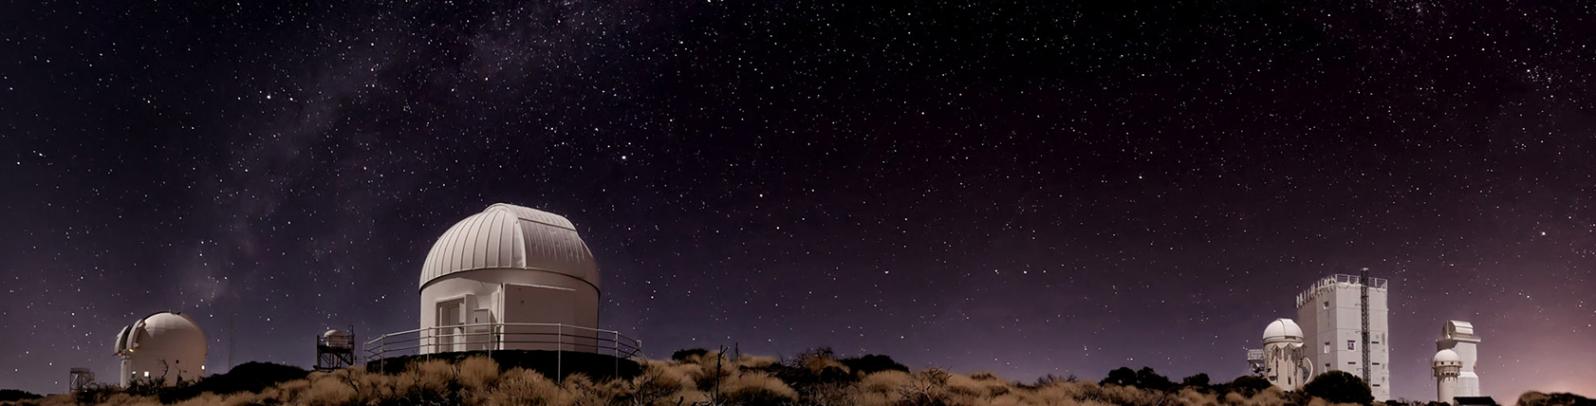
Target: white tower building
[1283, 361]
[1346, 327]
[164, 348]
[1457, 338]
[509, 277]
[1447, 364]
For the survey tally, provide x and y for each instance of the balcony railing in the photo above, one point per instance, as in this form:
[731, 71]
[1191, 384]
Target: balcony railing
[1337, 279]
[503, 336]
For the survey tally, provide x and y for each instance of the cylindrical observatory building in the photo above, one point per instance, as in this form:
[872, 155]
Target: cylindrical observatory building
[510, 277]
[164, 348]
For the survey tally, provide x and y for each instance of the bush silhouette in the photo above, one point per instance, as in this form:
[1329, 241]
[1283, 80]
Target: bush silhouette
[1144, 378]
[1249, 384]
[11, 395]
[1198, 381]
[684, 354]
[873, 363]
[1533, 398]
[1339, 387]
[246, 377]
[1121, 376]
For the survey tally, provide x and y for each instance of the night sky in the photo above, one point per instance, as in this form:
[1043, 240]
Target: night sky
[1025, 188]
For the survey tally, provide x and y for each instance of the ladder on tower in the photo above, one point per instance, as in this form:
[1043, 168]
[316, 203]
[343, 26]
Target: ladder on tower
[1363, 305]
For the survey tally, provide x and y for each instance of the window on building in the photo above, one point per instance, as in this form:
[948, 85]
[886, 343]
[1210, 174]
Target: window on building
[1351, 344]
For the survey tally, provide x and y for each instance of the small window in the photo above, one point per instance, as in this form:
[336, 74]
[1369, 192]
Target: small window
[1351, 344]
[1352, 362]
[1327, 304]
[1377, 385]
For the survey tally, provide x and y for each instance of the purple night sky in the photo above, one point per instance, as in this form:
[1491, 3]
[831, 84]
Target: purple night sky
[1024, 188]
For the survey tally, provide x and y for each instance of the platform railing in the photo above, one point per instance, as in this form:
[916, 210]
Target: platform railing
[503, 336]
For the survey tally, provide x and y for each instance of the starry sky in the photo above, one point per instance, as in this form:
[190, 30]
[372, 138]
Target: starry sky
[1018, 187]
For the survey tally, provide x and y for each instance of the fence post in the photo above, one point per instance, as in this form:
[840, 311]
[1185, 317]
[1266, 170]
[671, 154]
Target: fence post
[559, 352]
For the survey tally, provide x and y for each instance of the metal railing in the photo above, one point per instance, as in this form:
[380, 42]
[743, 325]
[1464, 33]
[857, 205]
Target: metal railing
[503, 336]
[1338, 279]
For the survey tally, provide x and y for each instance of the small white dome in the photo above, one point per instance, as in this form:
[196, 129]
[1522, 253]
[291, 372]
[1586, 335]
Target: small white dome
[338, 338]
[1282, 329]
[1447, 356]
[506, 236]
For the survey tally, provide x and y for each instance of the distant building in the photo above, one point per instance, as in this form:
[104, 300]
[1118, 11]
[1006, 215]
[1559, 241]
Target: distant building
[1456, 355]
[164, 348]
[1344, 327]
[1282, 361]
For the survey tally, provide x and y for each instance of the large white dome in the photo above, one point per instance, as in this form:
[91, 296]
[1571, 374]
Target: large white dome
[506, 236]
[1282, 329]
[165, 347]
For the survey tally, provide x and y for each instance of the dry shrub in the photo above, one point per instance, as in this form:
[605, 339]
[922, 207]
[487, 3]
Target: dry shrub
[1268, 397]
[756, 388]
[123, 399]
[328, 390]
[964, 387]
[433, 376]
[819, 360]
[755, 362]
[659, 382]
[478, 373]
[581, 390]
[978, 385]
[525, 387]
[1193, 397]
[873, 399]
[884, 382]
[687, 397]
[1131, 395]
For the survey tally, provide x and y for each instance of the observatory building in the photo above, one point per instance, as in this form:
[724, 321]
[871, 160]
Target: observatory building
[1343, 328]
[165, 348]
[510, 277]
[1454, 362]
[1282, 361]
[1346, 319]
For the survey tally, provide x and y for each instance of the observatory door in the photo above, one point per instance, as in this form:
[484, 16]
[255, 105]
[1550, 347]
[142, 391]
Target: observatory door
[451, 314]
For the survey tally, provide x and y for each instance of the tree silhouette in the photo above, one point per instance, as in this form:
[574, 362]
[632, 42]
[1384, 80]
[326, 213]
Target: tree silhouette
[1339, 387]
[1121, 376]
[1199, 381]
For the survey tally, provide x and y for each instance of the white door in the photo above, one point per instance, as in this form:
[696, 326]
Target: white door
[451, 314]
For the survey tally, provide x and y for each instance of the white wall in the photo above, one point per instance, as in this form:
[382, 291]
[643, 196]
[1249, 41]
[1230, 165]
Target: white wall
[510, 296]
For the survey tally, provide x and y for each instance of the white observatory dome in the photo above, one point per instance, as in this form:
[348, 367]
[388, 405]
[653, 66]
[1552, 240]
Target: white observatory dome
[506, 236]
[1447, 356]
[1282, 329]
[165, 347]
[516, 269]
[338, 339]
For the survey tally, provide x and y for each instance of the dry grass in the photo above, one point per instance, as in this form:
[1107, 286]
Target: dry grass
[760, 386]
[747, 380]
